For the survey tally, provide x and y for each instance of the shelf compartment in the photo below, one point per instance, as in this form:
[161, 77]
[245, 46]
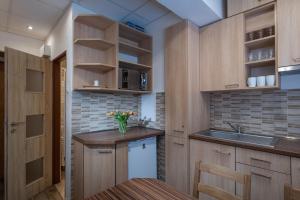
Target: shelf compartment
[132, 50]
[95, 21]
[141, 39]
[100, 66]
[134, 66]
[261, 63]
[262, 42]
[94, 43]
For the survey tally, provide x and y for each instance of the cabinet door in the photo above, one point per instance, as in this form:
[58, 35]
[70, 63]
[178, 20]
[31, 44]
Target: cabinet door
[296, 172]
[238, 6]
[288, 32]
[214, 154]
[99, 170]
[265, 184]
[222, 55]
[176, 163]
[176, 76]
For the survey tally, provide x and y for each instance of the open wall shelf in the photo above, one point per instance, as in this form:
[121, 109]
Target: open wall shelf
[98, 41]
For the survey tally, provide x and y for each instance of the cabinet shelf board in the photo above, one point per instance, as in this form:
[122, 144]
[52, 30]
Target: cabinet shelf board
[132, 50]
[262, 88]
[132, 34]
[261, 63]
[111, 90]
[134, 66]
[96, 66]
[95, 21]
[94, 43]
[262, 42]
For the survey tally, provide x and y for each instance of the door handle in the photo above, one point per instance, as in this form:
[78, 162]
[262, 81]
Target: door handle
[177, 143]
[105, 151]
[178, 131]
[222, 153]
[16, 123]
[230, 86]
[296, 59]
[260, 175]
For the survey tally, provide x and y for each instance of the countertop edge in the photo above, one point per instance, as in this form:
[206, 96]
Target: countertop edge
[245, 146]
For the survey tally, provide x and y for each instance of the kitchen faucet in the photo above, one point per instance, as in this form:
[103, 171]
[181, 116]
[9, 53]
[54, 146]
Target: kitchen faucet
[236, 128]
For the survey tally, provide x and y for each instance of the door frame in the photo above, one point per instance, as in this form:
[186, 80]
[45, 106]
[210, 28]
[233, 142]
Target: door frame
[56, 160]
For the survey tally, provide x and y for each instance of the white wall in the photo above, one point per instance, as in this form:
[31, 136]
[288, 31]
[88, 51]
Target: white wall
[26, 44]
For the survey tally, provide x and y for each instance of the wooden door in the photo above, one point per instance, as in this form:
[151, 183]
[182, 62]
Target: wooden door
[176, 163]
[232, 52]
[176, 78]
[295, 167]
[28, 92]
[99, 170]
[212, 153]
[265, 184]
[288, 21]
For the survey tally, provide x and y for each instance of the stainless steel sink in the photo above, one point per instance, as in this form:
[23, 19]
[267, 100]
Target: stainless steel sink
[261, 140]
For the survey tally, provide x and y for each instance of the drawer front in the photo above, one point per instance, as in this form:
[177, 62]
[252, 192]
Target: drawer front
[264, 160]
[212, 153]
[296, 172]
[265, 184]
[177, 133]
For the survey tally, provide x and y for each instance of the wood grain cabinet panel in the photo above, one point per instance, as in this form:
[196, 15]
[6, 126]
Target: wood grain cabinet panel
[222, 55]
[237, 6]
[177, 163]
[265, 184]
[295, 166]
[288, 17]
[212, 153]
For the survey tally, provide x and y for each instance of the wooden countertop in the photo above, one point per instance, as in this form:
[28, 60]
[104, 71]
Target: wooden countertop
[141, 189]
[112, 137]
[283, 146]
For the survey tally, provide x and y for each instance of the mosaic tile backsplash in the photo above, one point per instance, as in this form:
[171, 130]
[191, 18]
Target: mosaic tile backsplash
[272, 112]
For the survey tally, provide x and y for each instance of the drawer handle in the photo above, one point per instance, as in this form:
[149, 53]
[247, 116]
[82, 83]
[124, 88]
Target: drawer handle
[260, 175]
[104, 151]
[223, 153]
[181, 144]
[265, 161]
[178, 131]
[296, 59]
[232, 86]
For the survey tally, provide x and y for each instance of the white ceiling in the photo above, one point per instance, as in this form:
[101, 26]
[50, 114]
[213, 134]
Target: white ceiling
[42, 15]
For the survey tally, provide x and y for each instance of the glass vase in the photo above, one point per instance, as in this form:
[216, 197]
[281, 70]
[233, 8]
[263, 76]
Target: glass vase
[122, 127]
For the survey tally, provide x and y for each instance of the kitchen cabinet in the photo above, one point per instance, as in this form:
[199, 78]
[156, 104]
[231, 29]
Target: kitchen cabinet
[177, 163]
[265, 184]
[288, 19]
[222, 55]
[187, 110]
[212, 153]
[295, 167]
[237, 6]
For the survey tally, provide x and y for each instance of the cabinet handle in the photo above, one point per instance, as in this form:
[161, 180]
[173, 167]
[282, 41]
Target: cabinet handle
[223, 153]
[230, 86]
[178, 131]
[177, 143]
[260, 175]
[296, 59]
[16, 123]
[104, 151]
[265, 161]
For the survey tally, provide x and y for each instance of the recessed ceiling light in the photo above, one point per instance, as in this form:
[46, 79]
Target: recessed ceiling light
[29, 27]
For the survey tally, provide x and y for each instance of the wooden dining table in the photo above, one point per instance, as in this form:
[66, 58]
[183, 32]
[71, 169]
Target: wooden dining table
[141, 189]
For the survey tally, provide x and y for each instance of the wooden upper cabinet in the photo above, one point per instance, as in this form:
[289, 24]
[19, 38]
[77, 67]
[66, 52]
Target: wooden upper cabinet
[176, 76]
[237, 6]
[295, 168]
[222, 55]
[288, 17]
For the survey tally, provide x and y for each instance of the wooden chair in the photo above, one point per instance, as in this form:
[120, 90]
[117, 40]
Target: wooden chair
[291, 193]
[217, 192]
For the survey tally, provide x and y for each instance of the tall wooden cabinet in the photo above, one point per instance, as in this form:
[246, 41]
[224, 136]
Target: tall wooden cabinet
[222, 55]
[288, 17]
[186, 108]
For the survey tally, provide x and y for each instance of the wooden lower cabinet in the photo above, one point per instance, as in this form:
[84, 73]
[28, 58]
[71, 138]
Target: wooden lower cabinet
[265, 184]
[212, 153]
[177, 163]
[94, 169]
[295, 172]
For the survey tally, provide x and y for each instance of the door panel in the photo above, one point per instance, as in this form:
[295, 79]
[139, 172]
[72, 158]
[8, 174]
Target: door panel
[29, 125]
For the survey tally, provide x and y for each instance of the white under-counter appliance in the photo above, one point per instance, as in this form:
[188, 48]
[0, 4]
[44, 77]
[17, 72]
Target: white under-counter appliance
[142, 158]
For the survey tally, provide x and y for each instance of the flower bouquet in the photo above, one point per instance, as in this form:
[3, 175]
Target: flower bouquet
[121, 118]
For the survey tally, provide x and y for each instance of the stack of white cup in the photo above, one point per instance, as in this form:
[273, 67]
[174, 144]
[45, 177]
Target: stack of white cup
[261, 81]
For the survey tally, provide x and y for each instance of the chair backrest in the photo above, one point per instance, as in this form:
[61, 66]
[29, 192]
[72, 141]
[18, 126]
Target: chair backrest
[216, 192]
[291, 193]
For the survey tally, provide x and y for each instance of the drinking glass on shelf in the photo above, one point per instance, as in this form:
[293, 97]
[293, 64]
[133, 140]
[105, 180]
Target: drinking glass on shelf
[259, 54]
[250, 56]
[271, 52]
